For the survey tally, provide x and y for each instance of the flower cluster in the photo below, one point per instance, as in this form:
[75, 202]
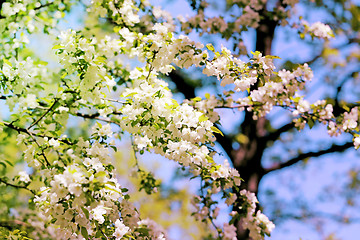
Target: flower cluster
[85, 57]
[79, 193]
[318, 30]
[256, 222]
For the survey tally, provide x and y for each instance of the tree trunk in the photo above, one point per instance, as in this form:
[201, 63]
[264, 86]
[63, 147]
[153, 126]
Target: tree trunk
[247, 159]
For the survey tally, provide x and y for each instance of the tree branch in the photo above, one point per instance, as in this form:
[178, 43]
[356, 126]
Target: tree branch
[84, 115]
[189, 92]
[317, 214]
[23, 130]
[45, 113]
[337, 108]
[182, 85]
[226, 143]
[16, 186]
[275, 135]
[95, 116]
[44, 5]
[300, 157]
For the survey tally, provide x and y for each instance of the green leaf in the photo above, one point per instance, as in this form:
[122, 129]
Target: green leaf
[131, 94]
[7, 62]
[310, 123]
[210, 159]
[3, 164]
[112, 189]
[272, 57]
[210, 47]
[176, 104]
[216, 130]
[167, 106]
[86, 212]
[8, 162]
[84, 233]
[100, 174]
[144, 231]
[256, 53]
[114, 148]
[100, 59]
[64, 75]
[57, 47]
[43, 63]
[203, 118]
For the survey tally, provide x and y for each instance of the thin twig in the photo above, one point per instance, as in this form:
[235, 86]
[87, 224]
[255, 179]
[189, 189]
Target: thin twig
[333, 148]
[24, 130]
[240, 106]
[95, 116]
[44, 5]
[208, 214]
[16, 186]
[42, 150]
[18, 129]
[42, 116]
[103, 233]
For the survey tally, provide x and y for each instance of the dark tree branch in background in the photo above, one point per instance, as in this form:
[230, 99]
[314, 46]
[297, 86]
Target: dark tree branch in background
[276, 134]
[337, 108]
[265, 33]
[182, 85]
[319, 55]
[189, 92]
[300, 157]
[311, 61]
[226, 143]
[312, 214]
[247, 158]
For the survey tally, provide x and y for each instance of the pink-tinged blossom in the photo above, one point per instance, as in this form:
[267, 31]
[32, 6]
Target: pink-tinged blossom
[229, 232]
[318, 29]
[120, 229]
[357, 142]
[351, 119]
